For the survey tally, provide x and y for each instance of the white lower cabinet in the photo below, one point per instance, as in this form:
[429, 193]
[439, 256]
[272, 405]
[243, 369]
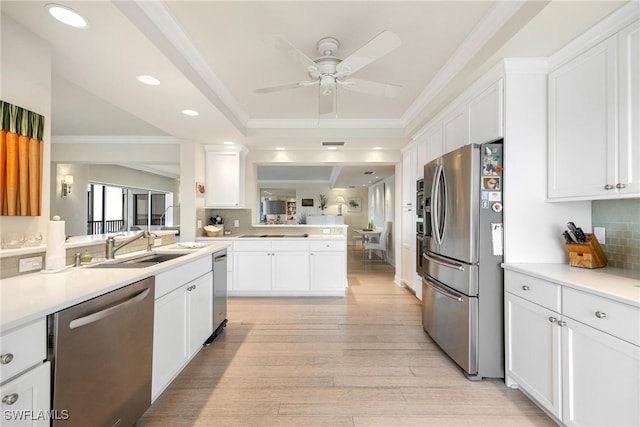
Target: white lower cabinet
[289, 267]
[182, 322]
[583, 372]
[25, 381]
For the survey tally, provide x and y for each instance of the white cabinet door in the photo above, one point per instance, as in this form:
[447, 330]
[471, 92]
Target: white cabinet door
[601, 378]
[435, 143]
[327, 271]
[629, 135]
[26, 399]
[290, 271]
[170, 348]
[200, 294]
[486, 115]
[455, 130]
[582, 124]
[532, 351]
[422, 156]
[251, 271]
[409, 177]
[223, 179]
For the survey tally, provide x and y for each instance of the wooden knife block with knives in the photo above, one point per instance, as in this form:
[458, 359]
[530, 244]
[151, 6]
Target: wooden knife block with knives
[588, 254]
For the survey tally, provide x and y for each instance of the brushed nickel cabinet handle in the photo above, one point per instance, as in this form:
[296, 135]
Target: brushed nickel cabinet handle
[620, 185]
[5, 359]
[525, 287]
[608, 187]
[552, 319]
[10, 399]
[601, 314]
[562, 323]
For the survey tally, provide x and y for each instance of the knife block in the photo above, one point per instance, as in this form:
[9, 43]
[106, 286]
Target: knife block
[586, 255]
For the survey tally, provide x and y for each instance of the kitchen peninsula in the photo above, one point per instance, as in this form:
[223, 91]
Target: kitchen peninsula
[286, 261]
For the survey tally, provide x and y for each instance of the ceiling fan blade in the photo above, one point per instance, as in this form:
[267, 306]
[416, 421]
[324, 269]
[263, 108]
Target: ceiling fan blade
[376, 48]
[294, 53]
[370, 88]
[327, 101]
[285, 86]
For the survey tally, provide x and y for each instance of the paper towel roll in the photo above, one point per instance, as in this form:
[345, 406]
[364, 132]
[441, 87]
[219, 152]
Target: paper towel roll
[56, 252]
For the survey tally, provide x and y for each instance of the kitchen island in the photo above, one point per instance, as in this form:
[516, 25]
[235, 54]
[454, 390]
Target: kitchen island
[273, 263]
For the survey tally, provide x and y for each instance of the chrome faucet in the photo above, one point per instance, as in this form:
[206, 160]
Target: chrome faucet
[112, 248]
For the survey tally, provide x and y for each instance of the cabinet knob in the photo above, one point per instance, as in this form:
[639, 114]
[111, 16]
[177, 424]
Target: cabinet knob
[525, 287]
[552, 319]
[608, 187]
[562, 323]
[5, 359]
[620, 185]
[10, 399]
[601, 314]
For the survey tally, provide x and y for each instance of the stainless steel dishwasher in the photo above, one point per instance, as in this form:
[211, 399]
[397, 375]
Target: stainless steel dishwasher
[101, 351]
[219, 294]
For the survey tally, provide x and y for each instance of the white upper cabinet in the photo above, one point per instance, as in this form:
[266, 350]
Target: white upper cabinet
[435, 143]
[422, 155]
[455, 129]
[593, 122]
[409, 176]
[485, 113]
[224, 176]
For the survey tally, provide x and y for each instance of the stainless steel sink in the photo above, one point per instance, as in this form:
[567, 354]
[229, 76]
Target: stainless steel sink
[140, 261]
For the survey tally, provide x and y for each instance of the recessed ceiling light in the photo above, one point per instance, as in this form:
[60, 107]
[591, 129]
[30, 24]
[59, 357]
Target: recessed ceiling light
[228, 143]
[192, 113]
[148, 80]
[377, 148]
[67, 16]
[332, 148]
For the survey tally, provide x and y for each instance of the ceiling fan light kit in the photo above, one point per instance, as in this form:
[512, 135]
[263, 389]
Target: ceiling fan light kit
[329, 71]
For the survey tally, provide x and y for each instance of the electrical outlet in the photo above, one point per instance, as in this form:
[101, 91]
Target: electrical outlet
[199, 223]
[157, 242]
[326, 231]
[30, 264]
[236, 223]
[600, 234]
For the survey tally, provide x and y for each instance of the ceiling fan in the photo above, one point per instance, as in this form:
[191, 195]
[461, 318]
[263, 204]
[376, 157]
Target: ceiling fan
[330, 72]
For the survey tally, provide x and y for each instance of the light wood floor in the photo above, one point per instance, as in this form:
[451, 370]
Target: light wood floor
[361, 360]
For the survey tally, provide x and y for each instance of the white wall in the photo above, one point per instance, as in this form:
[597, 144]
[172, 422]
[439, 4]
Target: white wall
[382, 209]
[25, 81]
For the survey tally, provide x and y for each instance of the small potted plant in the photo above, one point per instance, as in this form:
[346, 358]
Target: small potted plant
[322, 198]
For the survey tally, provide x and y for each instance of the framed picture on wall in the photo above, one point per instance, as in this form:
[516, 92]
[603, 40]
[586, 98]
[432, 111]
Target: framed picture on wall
[354, 204]
[307, 202]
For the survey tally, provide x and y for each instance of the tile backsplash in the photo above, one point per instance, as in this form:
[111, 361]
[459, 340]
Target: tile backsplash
[621, 219]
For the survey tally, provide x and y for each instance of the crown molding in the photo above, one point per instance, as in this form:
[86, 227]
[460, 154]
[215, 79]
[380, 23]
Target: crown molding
[73, 139]
[325, 124]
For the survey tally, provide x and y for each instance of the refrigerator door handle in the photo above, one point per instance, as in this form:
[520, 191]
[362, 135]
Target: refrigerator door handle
[443, 263]
[439, 205]
[441, 291]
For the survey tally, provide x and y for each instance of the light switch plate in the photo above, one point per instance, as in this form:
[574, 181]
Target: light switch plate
[30, 264]
[236, 223]
[199, 223]
[600, 234]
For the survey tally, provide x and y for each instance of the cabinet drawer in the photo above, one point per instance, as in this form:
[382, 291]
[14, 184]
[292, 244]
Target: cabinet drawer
[258, 245]
[178, 276]
[612, 317]
[23, 348]
[532, 289]
[290, 245]
[327, 245]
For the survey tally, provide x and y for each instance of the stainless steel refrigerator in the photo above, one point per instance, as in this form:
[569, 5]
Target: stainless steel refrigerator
[462, 284]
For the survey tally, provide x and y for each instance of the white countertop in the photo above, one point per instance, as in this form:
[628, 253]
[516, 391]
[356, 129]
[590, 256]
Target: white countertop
[31, 296]
[612, 283]
[310, 237]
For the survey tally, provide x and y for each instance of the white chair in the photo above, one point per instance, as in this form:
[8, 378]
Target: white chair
[355, 239]
[380, 246]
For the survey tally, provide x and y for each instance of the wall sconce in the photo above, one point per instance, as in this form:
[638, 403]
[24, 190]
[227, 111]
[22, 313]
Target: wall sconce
[340, 201]
[67, 183]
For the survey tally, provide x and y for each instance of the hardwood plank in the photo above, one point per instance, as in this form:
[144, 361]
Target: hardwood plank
[362, 360]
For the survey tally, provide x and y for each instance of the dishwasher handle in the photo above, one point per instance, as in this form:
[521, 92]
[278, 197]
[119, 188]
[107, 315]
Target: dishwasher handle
[99, 315]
